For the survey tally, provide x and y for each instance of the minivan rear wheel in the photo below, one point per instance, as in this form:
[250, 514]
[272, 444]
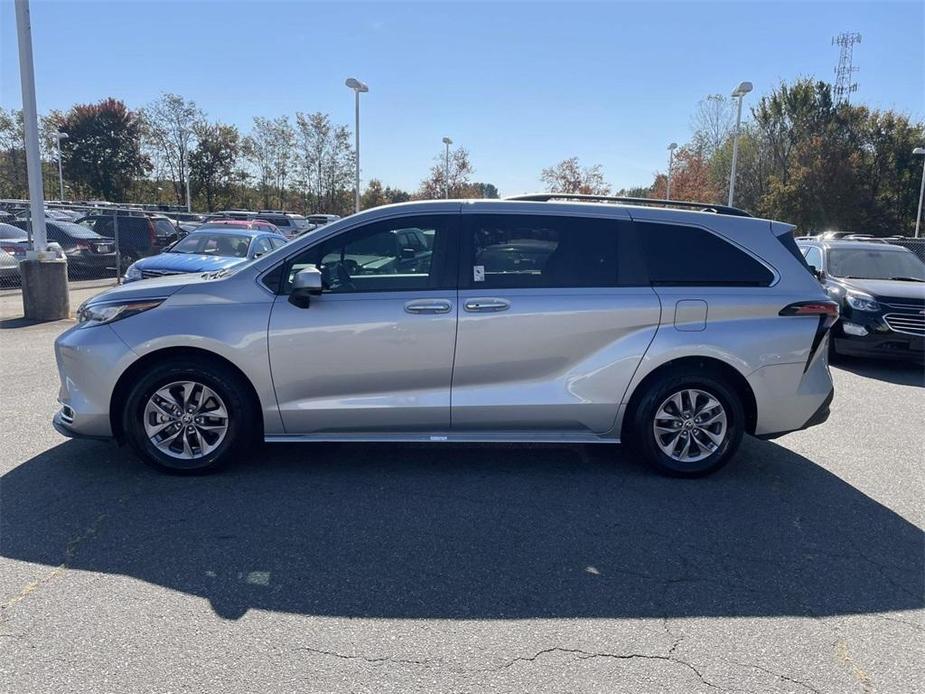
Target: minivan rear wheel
[688, 426]
[189, 416]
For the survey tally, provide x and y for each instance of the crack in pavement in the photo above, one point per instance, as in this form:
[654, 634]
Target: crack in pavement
[587, 655]
[366, 659]
[784, 678]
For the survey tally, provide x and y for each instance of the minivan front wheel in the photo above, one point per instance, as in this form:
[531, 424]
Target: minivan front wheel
[688, 426]
[189, 416]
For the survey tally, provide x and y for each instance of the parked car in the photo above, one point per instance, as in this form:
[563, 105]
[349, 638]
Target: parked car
[254, 224]
[288, 223]
[140, 234]
[15, 241]
[88, 254]
[316, 221]
[207, 250]
[881, 291]
[673, 330]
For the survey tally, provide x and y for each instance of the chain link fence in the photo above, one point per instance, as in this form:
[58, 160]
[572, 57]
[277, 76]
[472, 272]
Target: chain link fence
[99, 242]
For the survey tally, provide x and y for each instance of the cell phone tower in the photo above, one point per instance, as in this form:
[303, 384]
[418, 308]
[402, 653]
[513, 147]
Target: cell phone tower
[844, 71]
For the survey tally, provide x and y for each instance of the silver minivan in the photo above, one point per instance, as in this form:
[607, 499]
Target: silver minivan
[547, 318]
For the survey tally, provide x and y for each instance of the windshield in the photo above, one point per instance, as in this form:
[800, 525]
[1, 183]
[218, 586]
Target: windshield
[224, 245]
[875, 264]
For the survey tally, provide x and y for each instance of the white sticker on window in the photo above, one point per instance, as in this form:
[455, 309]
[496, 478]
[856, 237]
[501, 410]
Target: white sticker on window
[478, 273]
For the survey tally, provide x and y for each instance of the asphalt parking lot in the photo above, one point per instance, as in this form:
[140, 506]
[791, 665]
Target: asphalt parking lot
[387, 568]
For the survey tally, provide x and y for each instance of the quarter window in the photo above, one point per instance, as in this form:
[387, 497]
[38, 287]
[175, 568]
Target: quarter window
[524, 251]
[814, 257]
[681, 256]
[374, 258]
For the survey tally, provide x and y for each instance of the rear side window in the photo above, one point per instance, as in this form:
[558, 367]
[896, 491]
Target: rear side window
[680, 256]
[814, 257]
[533, 251]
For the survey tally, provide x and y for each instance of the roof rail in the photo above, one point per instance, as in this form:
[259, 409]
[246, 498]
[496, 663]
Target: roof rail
[700, 206]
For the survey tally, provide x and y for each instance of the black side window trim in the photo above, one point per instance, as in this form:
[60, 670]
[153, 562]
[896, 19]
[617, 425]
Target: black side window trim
[628, 244]
[640, 226]
[447, 275]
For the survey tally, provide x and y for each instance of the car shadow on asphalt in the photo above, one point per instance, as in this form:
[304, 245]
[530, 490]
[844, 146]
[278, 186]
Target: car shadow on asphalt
[470, 532]
[897, 372]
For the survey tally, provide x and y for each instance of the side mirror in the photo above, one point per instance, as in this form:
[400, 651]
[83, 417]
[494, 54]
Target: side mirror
[306, 282]
[820, 274]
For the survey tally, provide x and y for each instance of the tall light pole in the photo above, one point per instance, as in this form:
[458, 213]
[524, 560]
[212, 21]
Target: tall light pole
[58, 137]
[358, 88]
[739, 92]
[189, 203]
[920, 152]
[671, 148]
[446, 168]
[31, 125]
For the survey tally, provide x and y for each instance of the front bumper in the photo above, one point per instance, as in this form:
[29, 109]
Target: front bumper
[89, 363]
[884, 344]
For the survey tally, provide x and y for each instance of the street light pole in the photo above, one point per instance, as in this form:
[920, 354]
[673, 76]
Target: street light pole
[740, 92]
[920, 151]
[31, 126]
[58, 137]
[671, 148]
[189, 203]
[358, 87]
[446, 168]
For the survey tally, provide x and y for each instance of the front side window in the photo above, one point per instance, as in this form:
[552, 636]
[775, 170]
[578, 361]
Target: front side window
[533, 251]
[372, 258]
[685, 256]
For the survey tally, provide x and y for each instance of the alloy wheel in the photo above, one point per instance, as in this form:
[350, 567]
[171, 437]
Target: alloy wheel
[690, 425]
[185, 420]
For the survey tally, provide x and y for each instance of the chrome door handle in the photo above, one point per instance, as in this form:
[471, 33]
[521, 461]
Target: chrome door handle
[428, 306]
[487, 305]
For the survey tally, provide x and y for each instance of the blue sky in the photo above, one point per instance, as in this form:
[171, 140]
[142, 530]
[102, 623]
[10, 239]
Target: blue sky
[521, 85]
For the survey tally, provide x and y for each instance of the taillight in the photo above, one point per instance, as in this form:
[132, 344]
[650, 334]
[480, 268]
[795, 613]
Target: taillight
[152, 234]
[826, 310]
[83, 245]
[9, 248]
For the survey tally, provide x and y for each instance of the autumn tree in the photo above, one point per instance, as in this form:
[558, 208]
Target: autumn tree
[269, 148]
[102, 156]
[212, 162]
[324, 161]
[170, 126]
[713, 122]
[13, 181]
[455, 185]
[568, 176]
[690, 178]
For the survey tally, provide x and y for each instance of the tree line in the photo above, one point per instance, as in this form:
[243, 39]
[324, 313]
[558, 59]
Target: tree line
[151, 154]
[803, 158]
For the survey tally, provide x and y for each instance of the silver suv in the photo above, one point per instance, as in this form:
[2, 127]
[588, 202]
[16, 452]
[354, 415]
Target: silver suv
[543, 318]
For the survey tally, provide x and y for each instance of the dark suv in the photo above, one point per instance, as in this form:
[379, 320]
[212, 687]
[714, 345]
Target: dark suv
[140, 235]
[881, 290]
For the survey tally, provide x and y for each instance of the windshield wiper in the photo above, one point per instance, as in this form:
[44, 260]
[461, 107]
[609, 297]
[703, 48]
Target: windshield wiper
[907, 279]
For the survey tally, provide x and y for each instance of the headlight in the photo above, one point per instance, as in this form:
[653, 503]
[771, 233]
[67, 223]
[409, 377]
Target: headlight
[133, 273]
[862, 302]
[106, 312]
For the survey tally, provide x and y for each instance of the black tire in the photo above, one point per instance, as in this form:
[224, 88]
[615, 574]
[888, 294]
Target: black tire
[641, 432]
[233, 394]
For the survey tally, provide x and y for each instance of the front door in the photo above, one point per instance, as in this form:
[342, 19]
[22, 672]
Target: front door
[554, 316]
[373, 352]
